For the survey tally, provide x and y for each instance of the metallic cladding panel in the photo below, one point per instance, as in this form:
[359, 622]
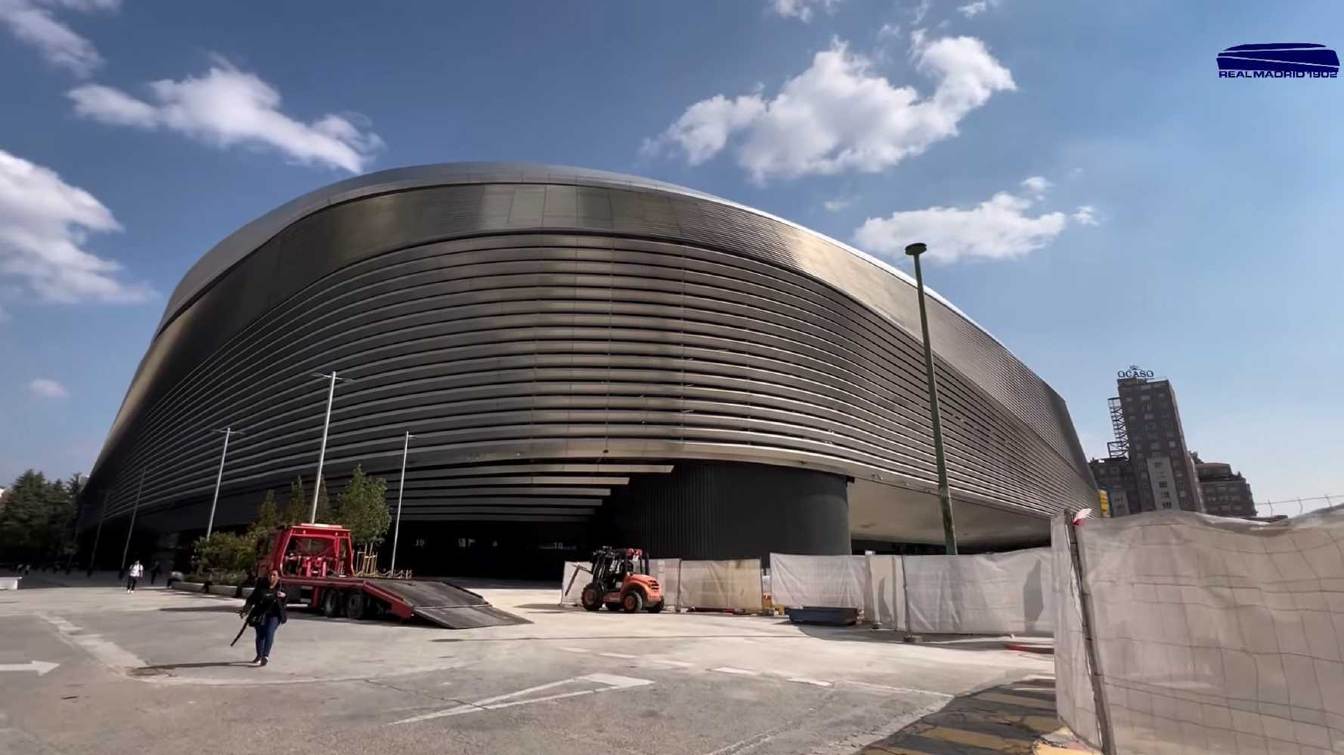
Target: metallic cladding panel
[531, 322]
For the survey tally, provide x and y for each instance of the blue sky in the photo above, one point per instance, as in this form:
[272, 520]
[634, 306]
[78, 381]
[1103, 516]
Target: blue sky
[1172, 219]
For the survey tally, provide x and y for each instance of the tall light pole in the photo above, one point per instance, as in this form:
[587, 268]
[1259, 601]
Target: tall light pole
[130, 529]
[944, 492]
[401, 490]
[322, 453]
[98, 533]
[219, 477]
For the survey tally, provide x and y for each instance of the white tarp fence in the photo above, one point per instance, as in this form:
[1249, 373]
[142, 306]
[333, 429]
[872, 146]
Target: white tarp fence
[1212, 635]
[990, 593]
[996, 593]
[729, 584]
[571, 586]
[832, 581]
[1008, 593]
[1073, 682]
[668, 573]
[885, 605]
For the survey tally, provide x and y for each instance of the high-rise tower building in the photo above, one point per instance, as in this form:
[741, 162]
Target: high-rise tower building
[1147, 424]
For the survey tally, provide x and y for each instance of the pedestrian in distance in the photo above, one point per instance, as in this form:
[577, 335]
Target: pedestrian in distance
[133, 576]
[265, 612]
[154, 573]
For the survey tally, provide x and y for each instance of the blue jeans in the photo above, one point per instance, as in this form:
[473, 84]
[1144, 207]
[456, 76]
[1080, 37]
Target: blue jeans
[266, 635]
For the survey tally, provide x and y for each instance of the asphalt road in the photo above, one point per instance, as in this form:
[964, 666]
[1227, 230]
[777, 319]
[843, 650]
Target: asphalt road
[152, 672]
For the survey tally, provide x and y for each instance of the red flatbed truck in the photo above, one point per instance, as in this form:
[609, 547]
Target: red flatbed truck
[317, 563]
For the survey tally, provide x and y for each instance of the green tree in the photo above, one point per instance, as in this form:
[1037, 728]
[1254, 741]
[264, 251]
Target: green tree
[324, 512]
[223, 557]
[362, 508]
[299, 504]
[296, 507]
[268, 514]
[36, 518]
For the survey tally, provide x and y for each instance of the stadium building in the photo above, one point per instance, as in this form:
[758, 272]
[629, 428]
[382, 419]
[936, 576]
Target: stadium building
[582, 357]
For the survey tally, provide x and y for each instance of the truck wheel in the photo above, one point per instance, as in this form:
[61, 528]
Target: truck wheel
[354, 605]
[614, 607]
[632, 602]
[591, 598]
[331, 603]
[656, 607]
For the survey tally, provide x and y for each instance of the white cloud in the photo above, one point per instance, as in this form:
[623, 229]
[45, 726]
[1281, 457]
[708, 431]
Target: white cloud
[998, 228]
[840, 115]
[920, 11]
[1036, 184]
[1085, 215]
[227, 107]
[802, 9]
[889, 30]
[837, 204]
[975, 7]
[47, 388]
[32, 22]
[44, 224]
[703, 130]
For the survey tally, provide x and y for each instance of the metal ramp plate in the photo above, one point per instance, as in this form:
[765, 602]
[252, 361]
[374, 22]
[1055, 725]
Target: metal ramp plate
[468, 617]
[447, 604]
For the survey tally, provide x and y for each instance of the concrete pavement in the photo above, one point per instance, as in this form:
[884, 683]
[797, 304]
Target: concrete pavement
[148, 671]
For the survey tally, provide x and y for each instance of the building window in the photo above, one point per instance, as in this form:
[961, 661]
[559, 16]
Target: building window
[1161, 483]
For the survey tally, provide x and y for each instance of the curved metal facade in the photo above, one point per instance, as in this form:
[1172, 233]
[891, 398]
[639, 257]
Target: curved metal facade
[548, 334]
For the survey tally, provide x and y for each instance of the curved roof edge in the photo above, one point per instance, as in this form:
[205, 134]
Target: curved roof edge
[239, 244]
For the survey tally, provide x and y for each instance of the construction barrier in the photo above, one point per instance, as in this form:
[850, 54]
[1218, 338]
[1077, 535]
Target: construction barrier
[989, 593]
[1209, 634]
[1000, 593]
[571, 586]
[668, 573]
[885, 604]
[832, 581]
[995, 593]
[733, 585]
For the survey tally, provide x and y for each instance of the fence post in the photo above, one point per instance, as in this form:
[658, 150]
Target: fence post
[679, 606]
[905, 598]
[1099, 700]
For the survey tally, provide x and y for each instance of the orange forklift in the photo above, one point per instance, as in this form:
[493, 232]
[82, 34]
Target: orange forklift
[621, 582]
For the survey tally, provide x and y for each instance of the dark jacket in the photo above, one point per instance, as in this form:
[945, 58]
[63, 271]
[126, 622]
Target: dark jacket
[264, 602]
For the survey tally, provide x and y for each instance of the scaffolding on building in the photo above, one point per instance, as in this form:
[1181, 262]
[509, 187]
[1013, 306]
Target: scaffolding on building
[1118, 448]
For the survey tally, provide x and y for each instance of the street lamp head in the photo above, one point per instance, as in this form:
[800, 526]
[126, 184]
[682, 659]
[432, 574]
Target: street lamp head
[916, 249]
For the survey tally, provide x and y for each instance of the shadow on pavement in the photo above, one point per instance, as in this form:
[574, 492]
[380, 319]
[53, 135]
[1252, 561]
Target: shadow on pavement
[1008, 718]
[604, 637]
[175, 666]
[861, 633]
[220, 608]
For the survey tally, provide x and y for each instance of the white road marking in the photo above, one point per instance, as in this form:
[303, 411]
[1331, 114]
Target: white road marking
[739, 671]
[41, 667]
[899, 690]
[666, 662]
[609, 682]
[105, 651]
[813, 682]
[575, 650]
[622, 656]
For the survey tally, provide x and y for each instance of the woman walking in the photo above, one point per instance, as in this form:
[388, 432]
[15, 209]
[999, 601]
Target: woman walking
[265, 611]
